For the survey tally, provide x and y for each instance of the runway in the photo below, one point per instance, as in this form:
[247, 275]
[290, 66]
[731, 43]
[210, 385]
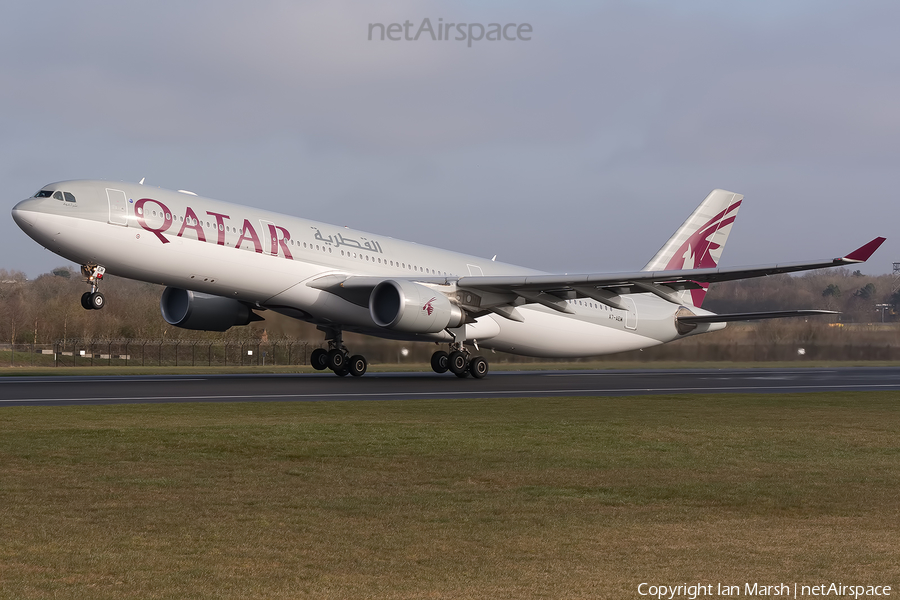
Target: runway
[398, 386]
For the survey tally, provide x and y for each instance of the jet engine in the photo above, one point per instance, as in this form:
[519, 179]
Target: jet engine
[194, 310]
[412, 308]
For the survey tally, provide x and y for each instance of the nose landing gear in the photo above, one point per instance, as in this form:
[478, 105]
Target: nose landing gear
[93, 300]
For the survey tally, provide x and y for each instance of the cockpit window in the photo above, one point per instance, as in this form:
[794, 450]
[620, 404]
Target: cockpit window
[63, 196]
[44, 194]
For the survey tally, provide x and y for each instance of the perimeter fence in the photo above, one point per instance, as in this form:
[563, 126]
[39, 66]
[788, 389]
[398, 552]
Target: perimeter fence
[156, 353]
[861, 346]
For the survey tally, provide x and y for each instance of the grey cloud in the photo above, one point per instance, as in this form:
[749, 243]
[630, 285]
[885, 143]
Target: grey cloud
[598, 135]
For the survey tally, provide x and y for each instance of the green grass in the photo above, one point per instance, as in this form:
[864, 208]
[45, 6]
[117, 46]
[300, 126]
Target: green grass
[38, 371]
[520, 498]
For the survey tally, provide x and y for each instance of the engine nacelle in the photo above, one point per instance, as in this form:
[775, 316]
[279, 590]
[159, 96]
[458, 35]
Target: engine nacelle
[194, 310]
[412, 308]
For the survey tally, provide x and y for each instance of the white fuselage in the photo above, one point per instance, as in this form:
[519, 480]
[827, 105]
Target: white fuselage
[268, 259]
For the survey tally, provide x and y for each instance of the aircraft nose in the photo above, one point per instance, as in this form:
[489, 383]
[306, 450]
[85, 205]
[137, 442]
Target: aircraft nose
[23, 212]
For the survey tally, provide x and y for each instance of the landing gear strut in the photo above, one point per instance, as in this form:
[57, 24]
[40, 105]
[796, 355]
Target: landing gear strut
[337, 357]
[93, 300]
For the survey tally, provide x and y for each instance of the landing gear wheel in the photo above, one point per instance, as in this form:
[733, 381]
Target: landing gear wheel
[357, 365]
[462, 374]
[86, 301]
[98, 301]
[336, 360]
[319, 359]
[478, 367]
[458, 362]
[337, 357]
[440, 362]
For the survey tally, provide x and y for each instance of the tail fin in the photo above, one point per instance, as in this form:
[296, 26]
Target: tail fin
[699, 242]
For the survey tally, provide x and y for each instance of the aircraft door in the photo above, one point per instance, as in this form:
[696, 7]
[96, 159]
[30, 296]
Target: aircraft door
[270, 245]
[631, 316]
[118, 207]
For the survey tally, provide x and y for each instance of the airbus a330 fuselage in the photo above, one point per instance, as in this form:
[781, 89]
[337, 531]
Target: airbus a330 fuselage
[222, 261]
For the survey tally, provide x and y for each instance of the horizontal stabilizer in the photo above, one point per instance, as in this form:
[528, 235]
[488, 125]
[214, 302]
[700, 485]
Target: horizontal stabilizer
[753, 316]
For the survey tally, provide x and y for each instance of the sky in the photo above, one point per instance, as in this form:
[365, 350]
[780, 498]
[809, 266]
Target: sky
[581, 149]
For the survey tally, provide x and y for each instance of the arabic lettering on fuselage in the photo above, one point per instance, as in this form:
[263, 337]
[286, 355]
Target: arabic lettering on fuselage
[337, 240]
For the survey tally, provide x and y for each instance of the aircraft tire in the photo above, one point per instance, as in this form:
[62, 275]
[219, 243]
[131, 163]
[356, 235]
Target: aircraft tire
[86, 301]
[342, 372]
[478, 367]
[440, 362]
[98, 301]
[319, 359]
[458, 362]
[336, 360]
[357, 365]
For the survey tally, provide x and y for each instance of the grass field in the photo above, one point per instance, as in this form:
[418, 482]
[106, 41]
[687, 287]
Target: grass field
[522, 498]
[593, 365]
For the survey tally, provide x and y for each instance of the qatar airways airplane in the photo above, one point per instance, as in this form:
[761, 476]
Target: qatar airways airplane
[223, 263]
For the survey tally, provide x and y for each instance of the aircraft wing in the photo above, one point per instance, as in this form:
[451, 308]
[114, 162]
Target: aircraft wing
[681, 279]
[552, 290]
[501, 294]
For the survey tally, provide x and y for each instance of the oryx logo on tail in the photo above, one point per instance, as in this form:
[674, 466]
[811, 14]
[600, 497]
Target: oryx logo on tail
[703, 248]
[699, 242]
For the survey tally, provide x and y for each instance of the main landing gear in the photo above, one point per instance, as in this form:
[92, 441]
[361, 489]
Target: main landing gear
[93, 300]
[459, 362]
[337, 357]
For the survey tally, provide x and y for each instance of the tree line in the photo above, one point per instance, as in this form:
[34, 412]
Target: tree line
[859, 298]
[47, 309]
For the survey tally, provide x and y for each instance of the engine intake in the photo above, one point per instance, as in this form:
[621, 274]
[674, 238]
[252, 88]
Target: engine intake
[412, 308]
[205, 312]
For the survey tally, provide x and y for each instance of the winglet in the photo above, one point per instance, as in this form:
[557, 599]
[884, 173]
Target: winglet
[863, 253]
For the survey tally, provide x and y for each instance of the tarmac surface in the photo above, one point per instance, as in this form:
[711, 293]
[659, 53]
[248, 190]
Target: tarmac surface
[56, 391]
